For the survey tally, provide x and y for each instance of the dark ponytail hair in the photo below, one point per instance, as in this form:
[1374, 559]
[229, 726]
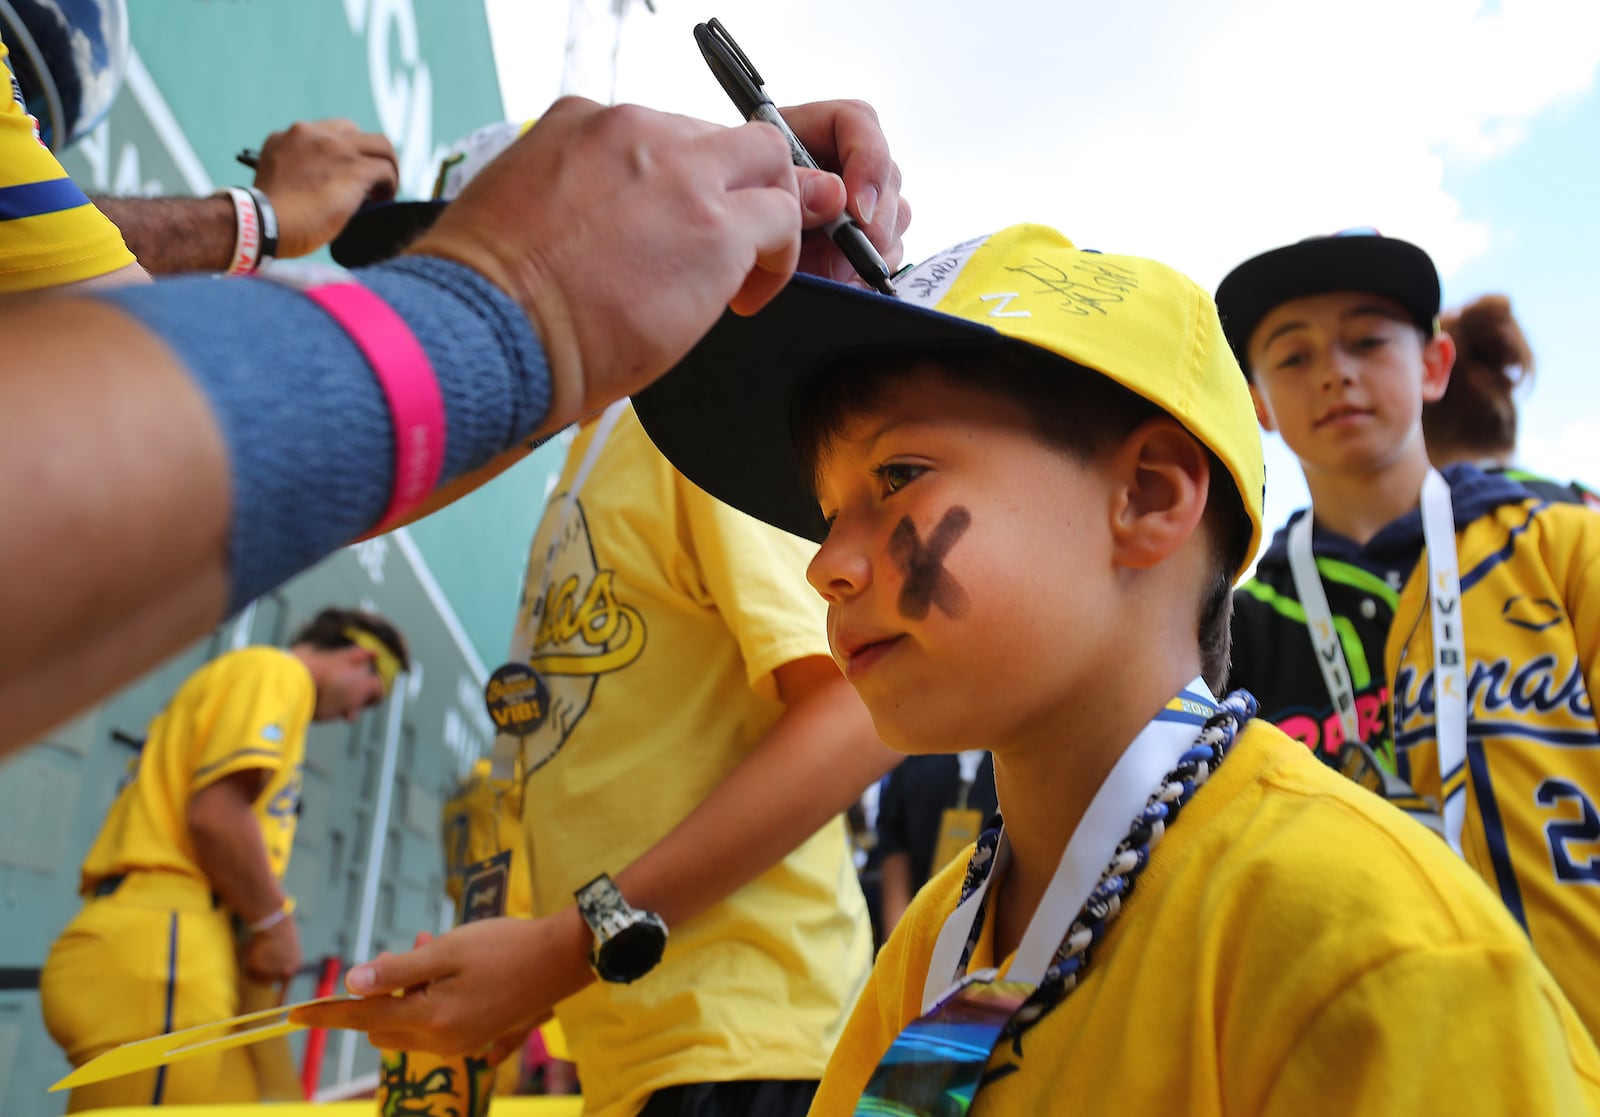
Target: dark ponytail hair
[1477, 416]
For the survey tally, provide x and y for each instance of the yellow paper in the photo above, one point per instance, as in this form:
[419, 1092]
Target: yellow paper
[172, 1046]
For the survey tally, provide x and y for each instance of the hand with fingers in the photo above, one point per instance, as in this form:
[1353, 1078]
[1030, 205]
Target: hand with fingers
[479, 985]
[273, 955]
[846, 136]
[625, 232]
[317, 173]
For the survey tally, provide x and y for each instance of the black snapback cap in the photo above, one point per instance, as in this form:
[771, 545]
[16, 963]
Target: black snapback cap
[1353, 260]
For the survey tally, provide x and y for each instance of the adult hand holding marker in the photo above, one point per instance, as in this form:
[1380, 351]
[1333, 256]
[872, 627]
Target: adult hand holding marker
[743, 84]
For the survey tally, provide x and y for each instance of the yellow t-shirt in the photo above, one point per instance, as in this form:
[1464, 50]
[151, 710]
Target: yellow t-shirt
[669, 613]
[50, 233]
[246, 709]
[1295, 946]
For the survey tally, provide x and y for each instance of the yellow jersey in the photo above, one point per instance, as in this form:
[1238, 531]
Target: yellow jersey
[1295, 945]
[50, 233]
[246, 709]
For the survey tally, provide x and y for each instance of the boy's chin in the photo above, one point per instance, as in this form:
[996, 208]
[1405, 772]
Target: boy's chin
[913, 740]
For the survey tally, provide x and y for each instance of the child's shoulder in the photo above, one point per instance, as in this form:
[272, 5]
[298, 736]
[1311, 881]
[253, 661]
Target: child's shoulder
[1310, 853]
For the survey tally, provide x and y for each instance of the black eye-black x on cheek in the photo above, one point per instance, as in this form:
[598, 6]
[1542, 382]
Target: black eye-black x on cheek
[928, 583]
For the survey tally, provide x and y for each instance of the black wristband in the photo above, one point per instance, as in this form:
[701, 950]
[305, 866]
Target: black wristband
[267, 222]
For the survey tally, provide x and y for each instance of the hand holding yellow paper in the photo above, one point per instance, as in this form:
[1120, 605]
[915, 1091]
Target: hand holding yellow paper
[236, 1031]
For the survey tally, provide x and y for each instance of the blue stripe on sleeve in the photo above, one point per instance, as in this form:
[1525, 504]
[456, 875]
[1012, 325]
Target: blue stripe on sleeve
[33, 199]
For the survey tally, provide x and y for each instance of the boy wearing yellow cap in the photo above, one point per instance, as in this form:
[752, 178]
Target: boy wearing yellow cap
[1034, 478]
[198, 839]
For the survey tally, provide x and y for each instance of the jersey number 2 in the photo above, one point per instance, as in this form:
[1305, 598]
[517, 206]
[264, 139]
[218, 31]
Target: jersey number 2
[1563, 833]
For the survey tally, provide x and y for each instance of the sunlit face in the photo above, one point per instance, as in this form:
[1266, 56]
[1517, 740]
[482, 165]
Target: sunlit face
[1343, 378]
[350, 687]
[961, 566]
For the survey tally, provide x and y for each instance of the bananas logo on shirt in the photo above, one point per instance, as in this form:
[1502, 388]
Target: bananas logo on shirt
[577, 631]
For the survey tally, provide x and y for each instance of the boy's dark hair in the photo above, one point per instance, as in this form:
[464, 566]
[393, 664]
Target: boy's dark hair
[327, 630]
[1058, 395]
[1476, 416]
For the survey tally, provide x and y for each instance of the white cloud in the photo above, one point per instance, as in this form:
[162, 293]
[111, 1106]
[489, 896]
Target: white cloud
[1195, 133]
[1573, 453]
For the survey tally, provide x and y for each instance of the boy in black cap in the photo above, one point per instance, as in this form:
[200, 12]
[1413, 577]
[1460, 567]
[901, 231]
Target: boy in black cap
[1425, 621]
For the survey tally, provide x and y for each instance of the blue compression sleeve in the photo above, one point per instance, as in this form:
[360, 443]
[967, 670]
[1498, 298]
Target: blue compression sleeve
[309, 437]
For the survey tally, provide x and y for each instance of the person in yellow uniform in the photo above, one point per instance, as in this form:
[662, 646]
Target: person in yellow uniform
[193, 852]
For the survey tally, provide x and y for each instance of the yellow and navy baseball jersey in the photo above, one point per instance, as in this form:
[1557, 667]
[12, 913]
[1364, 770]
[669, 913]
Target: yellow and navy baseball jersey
[50, 233]
[243, 710]
[1532, 629]
[1530, 611]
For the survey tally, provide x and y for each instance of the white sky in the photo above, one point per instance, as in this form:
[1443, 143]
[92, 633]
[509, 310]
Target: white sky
[1195, 133]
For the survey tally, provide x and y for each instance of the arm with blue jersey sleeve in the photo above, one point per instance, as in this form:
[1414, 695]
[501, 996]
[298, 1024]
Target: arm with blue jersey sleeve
[182, 447]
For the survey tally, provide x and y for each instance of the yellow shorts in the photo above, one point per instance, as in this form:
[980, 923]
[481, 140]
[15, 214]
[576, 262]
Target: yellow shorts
[143, 961]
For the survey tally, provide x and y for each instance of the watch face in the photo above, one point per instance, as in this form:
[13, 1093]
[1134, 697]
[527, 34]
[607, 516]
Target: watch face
[633, 953]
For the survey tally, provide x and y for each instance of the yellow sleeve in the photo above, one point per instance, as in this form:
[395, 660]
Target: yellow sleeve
[256, 711]
[1410, 1036]
[756, 576]
[1572, 550]
[50, 233]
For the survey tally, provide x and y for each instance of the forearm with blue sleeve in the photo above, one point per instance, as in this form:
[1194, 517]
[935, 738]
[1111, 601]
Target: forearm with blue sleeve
[307, 427]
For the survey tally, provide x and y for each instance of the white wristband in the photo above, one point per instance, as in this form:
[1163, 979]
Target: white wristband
[247, 238]
[268, 922]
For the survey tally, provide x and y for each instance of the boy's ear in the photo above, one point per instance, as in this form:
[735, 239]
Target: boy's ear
[1163, 478]
[1438, 358]
[1263, 412]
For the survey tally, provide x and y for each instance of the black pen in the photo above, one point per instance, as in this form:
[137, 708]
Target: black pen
[249, 158]
[742, 83]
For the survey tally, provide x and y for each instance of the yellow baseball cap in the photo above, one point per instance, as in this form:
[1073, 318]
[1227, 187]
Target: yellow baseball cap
[722, 416]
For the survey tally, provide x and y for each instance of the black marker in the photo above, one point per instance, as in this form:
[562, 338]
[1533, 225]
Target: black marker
[249, 158]
[742, 83]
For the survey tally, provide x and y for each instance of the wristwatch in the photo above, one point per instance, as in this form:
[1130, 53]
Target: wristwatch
[627, 942]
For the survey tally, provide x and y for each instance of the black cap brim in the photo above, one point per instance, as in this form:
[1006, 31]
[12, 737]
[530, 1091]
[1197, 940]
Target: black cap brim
[1395, 269]
[722, 416]
[380, 231]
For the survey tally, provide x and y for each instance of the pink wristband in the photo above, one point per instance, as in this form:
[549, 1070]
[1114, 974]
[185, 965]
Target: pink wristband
[406, 376]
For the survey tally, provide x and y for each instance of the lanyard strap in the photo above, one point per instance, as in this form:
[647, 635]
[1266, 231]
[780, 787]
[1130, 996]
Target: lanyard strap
[969, 762]
[1125, 791]
[1449, 650]
[508, 746]
[936, 1064]
[1319, 622]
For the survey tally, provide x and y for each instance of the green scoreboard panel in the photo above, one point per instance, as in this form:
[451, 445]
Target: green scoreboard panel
[206, 79]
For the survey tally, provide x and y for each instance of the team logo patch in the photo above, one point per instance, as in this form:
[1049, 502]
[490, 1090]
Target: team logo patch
[1532, 613]
[577, 630]
[273, 733]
